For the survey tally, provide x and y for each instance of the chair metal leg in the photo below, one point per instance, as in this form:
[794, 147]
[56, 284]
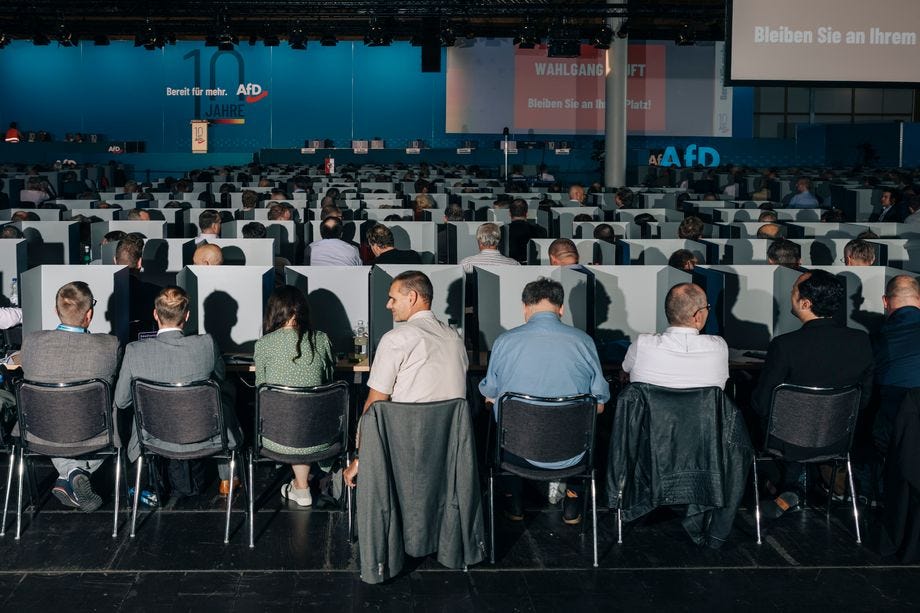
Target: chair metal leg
[830, 490]
[9, 486]
[492, 516]
[252, 496]
[853, 499]
[619, 526]
[117, 492]
[756, 502]
[350, 501]
[230, 496]
[594, 516]
[137, 492]
[22, 470]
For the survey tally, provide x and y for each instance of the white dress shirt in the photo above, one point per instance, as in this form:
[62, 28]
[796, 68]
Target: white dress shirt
[487, 257]
[9, 317]
[679, 358]
[334, 252]
[423, 360]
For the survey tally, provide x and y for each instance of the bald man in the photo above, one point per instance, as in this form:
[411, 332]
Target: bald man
[576, 195]
[770, 230]
[897, 352]
[680, 357]
[208, 254]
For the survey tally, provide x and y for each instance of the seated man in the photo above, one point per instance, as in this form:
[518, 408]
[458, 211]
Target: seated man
[683, 259]
[770, 230]
[545, 357]
[821, 353]
[208, 254]
[681, 357]
[66, 355]
[382, 244]
[858, 252]
[784, 253]
[803, 198]
[520, 230]
[171, 357]
[331, 250]
[422, 361]
[141, 293]
[208, 226]
[488, 237]
[691, 228]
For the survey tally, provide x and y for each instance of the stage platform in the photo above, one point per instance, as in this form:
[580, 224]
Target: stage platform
[67, 560]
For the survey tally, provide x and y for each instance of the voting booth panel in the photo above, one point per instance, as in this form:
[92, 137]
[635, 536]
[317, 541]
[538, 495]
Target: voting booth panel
[499, 307]
[228, 303]
[754, 305]
[109, 285]
[590, 251]
[51, 242]
[14, 261]
[419, 236]
[339, 298]
[447, 304]
[246, 251]
[98, 230]
[649, 252]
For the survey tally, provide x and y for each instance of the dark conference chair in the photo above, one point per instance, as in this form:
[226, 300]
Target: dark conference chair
[63, 420]
[181, 421]
[811, 425]
[300, 417]
[545, 430]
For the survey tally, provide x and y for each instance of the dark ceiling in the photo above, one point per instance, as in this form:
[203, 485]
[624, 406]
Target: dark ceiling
[403, 20]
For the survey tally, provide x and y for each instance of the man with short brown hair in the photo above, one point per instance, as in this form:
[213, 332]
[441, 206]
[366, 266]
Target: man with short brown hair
[68, 354]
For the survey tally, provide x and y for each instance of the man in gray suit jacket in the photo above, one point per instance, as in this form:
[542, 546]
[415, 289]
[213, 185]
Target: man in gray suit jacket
[172, 357]
[66, 355]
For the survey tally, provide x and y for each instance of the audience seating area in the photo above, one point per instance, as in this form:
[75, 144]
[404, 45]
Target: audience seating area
[617, 293]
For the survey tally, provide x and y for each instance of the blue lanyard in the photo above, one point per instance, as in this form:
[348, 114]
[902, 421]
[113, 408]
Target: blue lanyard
[66, 328]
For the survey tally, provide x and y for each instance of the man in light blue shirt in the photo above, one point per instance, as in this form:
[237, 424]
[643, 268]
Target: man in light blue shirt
[803, 199]
[544, 357]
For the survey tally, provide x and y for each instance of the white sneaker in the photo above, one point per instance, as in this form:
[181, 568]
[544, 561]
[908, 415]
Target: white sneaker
[301, 497]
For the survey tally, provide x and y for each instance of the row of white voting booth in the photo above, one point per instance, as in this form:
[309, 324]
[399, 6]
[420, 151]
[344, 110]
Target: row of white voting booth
[750, 304]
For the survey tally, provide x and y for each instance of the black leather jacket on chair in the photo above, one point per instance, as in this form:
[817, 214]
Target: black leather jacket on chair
[679, 447]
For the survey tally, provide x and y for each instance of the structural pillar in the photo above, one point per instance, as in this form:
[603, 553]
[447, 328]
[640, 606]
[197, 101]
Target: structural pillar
[615, 109]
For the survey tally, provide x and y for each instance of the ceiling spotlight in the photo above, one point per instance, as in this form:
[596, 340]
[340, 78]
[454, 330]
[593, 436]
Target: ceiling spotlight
[563, 41]
[328, 39]
[623, 30]
[269, 38]
[226, 39]
[469, 32]
[378, 34]
[4, 39]
[101, 40]
[297, 38]
[148, 37]
[527, 37]
[603, 37]
[446, 36]
[64, 36]
[685, 36]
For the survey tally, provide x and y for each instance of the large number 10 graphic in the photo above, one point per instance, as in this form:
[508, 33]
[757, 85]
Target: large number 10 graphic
[195, 54]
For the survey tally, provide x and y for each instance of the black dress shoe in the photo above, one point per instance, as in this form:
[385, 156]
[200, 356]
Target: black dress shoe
[514, 510]
[571, 510]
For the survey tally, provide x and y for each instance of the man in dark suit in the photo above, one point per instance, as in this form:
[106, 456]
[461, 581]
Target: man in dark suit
[520, 231]
[66, 355]
[172, 357]
[141, 293]
[822, 353]
[892, 208]
[380, 238]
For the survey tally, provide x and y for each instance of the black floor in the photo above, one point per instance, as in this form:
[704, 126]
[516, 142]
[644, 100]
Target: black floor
[67, 560]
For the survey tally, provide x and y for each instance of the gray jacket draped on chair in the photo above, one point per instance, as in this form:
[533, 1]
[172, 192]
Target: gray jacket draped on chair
[679, 447]
[418, 489]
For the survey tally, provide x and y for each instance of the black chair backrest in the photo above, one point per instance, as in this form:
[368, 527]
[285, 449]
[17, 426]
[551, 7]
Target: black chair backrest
[177, 413]
[810, 418]
[302, 417]
[64, 419]
[546, 429]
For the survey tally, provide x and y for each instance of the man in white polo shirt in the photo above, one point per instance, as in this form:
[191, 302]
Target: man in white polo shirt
[423, 360]
[681, 357]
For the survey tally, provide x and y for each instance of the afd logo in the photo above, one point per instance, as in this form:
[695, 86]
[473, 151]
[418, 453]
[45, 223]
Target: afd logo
[115, 149]
[252, 91]
[693, 155]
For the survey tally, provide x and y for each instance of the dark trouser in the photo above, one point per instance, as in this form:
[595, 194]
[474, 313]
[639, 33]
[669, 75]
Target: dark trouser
[513, 484]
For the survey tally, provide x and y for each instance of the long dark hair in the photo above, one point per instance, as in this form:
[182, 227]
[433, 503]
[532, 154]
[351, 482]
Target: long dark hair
[284, 303]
